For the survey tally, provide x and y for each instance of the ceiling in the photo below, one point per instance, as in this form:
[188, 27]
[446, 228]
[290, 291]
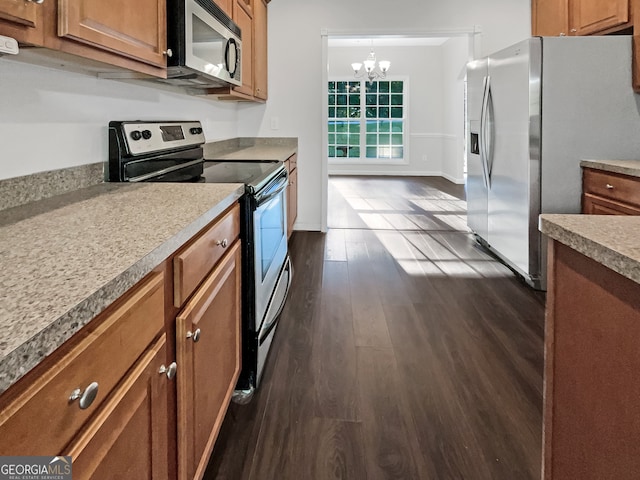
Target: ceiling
[387, 41]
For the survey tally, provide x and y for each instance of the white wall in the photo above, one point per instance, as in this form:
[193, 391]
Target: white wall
[455, 54]
[295, 64]
[421, 67]
[51, 119]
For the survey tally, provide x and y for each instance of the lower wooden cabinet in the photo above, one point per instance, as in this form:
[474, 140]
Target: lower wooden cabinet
[129, 437]
[208, 349]
[292, 192]
[591, 407]
[607, 193]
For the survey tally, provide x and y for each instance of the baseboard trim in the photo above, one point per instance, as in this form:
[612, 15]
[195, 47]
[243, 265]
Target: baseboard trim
[457, 181]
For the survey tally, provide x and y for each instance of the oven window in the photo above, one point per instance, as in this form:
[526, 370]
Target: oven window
[272, 230]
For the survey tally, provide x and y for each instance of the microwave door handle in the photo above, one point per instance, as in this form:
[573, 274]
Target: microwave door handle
[231, 43]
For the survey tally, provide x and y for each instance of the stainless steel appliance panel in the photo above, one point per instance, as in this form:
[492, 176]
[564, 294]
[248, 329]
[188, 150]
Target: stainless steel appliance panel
[512, 184]
[476, 185]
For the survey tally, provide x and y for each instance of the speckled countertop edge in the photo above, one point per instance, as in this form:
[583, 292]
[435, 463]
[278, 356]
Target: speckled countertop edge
[251, 148]
[610, 240]
[31, 328]
[625, 167]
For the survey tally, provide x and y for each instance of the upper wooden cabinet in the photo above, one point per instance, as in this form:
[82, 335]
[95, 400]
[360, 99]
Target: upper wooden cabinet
[133, 29]
[260, 57]
[579, 17]
[226, 6]
[243, 17]
[550, 17]
[593, 16]
[130, 35]
[22, 20]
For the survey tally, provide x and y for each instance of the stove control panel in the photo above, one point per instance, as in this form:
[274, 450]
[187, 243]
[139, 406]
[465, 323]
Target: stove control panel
[151, 137]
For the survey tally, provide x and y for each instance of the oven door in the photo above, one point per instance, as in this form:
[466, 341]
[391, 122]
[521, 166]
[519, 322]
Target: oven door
[270, 244]
[210, 46]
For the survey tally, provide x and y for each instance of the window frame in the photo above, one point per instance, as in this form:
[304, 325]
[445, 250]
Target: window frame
[363, 160]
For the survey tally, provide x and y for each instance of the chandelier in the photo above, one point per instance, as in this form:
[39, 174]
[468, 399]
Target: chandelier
[370, 70]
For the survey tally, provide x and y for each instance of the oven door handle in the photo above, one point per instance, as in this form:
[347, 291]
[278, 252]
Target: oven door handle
[265, 330]
[274, 191]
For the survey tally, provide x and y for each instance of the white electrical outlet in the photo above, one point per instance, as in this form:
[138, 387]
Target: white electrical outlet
[8, 45]
[275, 123]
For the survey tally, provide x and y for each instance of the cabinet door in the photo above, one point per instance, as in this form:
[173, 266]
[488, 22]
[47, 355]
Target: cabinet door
[292, 200]
[133, 29]
[226, 6]
[594, 205]
[22, 20]
[260, 76]
[550, 18]
[245, 22]
[208, 352]
[129, 438]
[591, 16]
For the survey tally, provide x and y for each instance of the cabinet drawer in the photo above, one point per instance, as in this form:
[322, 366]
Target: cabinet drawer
[41, 420]
[192, 265]
[611, 185]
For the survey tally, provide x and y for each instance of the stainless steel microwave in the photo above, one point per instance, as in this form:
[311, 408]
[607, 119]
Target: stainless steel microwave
[204, 46]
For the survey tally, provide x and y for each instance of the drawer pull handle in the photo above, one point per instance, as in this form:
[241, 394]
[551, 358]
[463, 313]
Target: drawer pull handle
[194, 335]
[609, 186]
[87, 397]
[223, 243]
[169, 371]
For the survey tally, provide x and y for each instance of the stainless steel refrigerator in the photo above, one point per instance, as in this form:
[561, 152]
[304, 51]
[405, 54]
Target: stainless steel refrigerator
[534, 111]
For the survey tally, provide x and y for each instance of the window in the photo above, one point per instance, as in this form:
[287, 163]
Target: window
[366, 119]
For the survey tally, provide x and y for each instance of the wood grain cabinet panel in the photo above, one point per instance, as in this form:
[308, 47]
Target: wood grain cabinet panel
[192, 264]
[550, 18]
[22, 20]
[260, 55]
[132, 29]
[226, 6]
[208, 343]
[292, 192]
[607, 193]
[104, 353]
[244, 19]
[591, 407]
[592, 16]
[129, 437]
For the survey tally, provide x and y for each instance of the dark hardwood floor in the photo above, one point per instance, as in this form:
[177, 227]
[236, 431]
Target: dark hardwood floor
[404, 351]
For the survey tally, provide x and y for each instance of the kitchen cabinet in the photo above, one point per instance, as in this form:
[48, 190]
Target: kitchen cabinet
[242, 15]
[22, 20]
[260, 55]
[226, 6]
[291, 165]
[579, 17]
[63, 394]
[608, 193]
[591, 408]
[208, 351]
[124, 34]
[550, 17]
[129, 438]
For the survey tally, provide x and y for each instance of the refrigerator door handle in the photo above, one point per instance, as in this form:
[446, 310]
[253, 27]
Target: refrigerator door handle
[484, 136]
[490, 132]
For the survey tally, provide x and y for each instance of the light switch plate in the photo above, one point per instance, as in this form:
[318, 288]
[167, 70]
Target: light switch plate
[8, 45]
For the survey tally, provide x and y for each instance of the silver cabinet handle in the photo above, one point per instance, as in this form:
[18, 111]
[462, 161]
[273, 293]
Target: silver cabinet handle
[223, 243]
[170, 371]
[562, 34]
[168, 52]
[573, 30]
[609, 186]
[36, 1]
[194, 335]
[87, 397]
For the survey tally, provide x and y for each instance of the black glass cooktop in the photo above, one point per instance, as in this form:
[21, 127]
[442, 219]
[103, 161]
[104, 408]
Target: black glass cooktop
[253, 174]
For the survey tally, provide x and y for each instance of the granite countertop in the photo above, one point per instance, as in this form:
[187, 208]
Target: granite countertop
[626, 167]
[66, 258]
[250, 148]
[611, 240]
